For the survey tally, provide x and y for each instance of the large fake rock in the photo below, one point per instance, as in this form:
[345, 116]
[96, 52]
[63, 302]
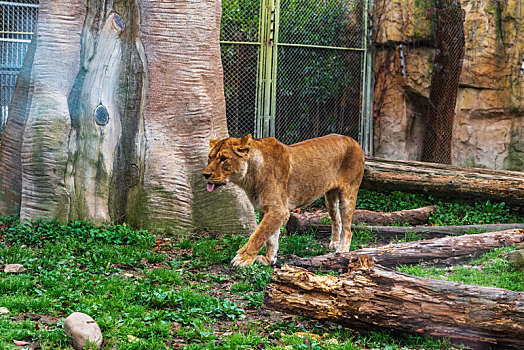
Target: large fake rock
[372, 296]
[490, 103]
[82, 328]
[112, 115]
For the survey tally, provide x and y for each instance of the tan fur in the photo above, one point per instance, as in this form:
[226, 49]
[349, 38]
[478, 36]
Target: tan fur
[277, 178]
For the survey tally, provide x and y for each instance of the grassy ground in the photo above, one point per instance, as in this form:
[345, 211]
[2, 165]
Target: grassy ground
[150, 292]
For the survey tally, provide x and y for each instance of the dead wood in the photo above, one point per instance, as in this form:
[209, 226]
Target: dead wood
[304, 220]
[388, 233]
[374, 296]
[448, 250]
[444, 180]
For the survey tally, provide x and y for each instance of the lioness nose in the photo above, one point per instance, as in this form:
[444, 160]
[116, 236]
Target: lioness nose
[206, 175]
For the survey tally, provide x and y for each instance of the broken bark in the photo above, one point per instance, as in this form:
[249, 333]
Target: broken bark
[303, 221]
[444, 180]
[445, 251]
[373, 296]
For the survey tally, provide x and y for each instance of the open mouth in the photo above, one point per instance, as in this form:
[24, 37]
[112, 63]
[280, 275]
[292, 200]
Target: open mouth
[212, 186]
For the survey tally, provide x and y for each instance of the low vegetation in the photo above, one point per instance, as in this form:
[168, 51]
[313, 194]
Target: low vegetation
[448, 211]
[150, 292]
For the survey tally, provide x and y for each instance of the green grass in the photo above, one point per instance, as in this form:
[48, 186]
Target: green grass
[492, 269]
[448, 211]
[186, 294]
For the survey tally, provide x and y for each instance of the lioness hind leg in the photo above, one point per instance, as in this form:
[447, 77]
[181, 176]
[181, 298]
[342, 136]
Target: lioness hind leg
[332, 200]
[348, 201]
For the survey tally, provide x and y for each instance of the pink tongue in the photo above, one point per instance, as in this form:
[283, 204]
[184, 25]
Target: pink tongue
[210, 187]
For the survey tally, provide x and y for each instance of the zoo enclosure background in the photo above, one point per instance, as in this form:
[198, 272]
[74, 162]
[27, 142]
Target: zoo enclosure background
[294, 69]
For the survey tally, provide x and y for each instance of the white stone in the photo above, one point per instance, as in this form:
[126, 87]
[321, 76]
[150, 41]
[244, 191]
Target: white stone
[81, 328]
[14, 268]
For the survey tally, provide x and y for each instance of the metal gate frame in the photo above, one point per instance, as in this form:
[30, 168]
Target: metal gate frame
[266, 94]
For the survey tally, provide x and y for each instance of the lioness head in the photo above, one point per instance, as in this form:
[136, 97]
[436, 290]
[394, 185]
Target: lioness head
[227, 161]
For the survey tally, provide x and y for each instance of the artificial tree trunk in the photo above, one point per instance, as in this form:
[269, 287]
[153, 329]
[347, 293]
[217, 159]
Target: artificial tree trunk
[112, 114]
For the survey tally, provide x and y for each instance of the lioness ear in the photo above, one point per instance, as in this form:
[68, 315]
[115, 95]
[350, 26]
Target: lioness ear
[245, 144]
[213, 142]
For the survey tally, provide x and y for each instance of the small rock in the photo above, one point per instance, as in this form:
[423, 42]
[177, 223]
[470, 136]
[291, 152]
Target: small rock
[307, 334]
[4, 310]
[132, 339]
[14, 268]
[82, 328]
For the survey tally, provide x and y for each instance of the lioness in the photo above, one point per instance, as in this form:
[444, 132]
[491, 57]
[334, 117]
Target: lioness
[277, 178]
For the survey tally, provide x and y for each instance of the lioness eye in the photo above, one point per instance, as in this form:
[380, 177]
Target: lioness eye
[223, 159]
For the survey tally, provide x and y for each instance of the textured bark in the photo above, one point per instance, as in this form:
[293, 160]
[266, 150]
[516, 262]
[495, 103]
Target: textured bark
[389, 233]
[444, 180]
[303, 221]
[151, 73]
[447, 251]
[35, 151]
[373, 296]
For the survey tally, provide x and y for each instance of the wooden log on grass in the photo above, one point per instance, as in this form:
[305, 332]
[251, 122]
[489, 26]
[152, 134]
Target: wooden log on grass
[302, 221]
[444, 251]
[371, 296]
[444, 180]
[389, 233]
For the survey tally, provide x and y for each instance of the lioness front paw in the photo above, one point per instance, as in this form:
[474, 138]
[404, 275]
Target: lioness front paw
[333, 245]
[243, 260]
[263, 260]
[343, 248]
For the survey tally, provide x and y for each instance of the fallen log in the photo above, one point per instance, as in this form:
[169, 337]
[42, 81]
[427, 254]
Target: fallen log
[304, 220]
[373, 296]
[389, 233]
[444, 180]
[448, 250]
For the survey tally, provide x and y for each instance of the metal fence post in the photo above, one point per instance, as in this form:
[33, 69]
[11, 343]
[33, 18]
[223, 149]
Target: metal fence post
[366, 121]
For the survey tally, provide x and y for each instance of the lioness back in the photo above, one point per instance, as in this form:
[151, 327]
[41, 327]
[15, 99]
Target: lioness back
[321, 164]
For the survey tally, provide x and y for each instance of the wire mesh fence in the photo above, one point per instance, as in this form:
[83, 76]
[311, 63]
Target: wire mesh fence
[450, 46]
[315, 49]
[240, 48]
[318, 93]
[17, 26]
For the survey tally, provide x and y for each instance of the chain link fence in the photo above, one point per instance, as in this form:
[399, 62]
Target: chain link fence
[320, 64]
[317, 52]
[449, 55]
[240, 46]
[17, 28]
